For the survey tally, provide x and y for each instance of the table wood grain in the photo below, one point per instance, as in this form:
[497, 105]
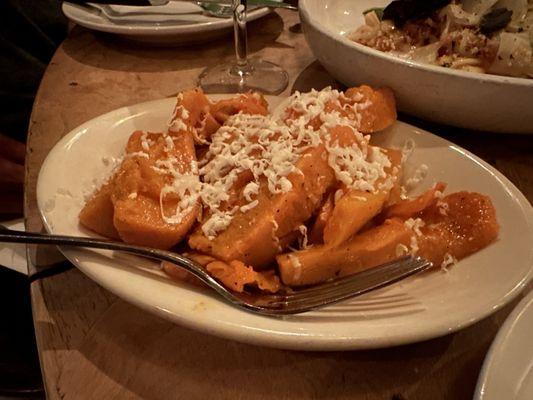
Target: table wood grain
[93, 345]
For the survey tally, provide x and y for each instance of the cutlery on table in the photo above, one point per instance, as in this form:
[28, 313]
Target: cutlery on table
[215, 7]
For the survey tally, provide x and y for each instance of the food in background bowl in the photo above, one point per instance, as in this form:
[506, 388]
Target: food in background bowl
[286, 199]
[484, 102]
[485, 36]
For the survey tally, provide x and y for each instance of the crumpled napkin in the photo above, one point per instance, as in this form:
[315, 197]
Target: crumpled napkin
[13, 255]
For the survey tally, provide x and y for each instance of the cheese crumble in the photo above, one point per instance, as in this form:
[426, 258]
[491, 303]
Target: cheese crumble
[448, 261]
[268, 148]
[414, 224]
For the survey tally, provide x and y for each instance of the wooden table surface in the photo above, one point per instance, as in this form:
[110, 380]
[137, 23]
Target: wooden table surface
[93, 345]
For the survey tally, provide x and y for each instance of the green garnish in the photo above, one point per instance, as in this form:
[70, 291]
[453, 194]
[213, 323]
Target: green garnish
[402, 11]
[495, 20]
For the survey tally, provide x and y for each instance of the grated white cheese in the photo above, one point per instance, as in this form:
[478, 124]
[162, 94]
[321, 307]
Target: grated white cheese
[111, 161]
[443, 207]
[217, 224]
[64, 192]
[275, 237]
[269, 147]
[251, 189]
[448, 260]
[414, 245]
[401, 250]
[418, 176]
[303, 240]
[145, 142]
[184, 184]
[407, 149]
[169, 144]
[179, 117]
[137, 154]
[415, 225]
[249, 206]
[296, 265]
[132, 196]
[403, 193]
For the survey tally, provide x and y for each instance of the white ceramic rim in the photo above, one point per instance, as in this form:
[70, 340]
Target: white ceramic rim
[141, 30]
[287, 340]
[503, 335]
[496, 79]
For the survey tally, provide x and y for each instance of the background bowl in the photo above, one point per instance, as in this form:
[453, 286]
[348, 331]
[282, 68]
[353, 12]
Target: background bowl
[464, 99]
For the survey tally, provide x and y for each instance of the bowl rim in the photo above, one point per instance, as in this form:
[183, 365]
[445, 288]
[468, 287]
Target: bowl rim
[305, 14]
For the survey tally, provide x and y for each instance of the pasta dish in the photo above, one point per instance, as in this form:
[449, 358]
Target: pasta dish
[485, 36]
[271, 201]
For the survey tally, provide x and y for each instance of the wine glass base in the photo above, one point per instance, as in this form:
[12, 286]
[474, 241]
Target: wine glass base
[259, 76]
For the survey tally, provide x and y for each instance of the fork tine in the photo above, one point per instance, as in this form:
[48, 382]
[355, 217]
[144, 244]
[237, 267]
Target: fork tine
[339, 283]
[361, 284]
[357, 288]
[352, 286]
[347, 280]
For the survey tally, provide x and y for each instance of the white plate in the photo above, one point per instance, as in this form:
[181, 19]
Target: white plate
[417, 309]
[185, 28]
[465, 99]
[507, 372]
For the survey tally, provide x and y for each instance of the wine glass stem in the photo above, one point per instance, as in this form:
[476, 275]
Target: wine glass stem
[241, 40]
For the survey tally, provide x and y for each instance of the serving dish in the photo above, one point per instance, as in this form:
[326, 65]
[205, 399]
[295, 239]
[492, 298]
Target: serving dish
[177, 23]
[417, 309]
[507, 372]
[460, 98]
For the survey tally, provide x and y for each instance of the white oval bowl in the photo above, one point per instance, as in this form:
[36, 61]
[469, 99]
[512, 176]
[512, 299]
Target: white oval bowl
[464, 99]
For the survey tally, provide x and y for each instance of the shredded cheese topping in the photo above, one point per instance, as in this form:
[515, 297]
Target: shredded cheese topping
[269, 147]
[401, 250]
[448, 260]
[414, 224]
[303, 240]
[418, 176]
[295, 262]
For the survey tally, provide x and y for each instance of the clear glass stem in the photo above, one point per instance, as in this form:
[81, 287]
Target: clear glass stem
[241, 40]
[243, 75]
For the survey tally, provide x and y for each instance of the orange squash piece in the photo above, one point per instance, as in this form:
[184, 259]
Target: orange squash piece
[254, 237]
[411, 207]
[320, 263]
[197, 117]
[316, 234]
[375, 109]
[460, 224]
[97, 214]
[236, 275]
[247, 103]
[137, 189]
[357, 207]
[468, 225]
[379, 111]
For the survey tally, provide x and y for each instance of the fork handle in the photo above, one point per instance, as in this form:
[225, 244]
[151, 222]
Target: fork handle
[11, 236]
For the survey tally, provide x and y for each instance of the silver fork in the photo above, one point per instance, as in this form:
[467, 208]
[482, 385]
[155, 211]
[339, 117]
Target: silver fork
[297, 301]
